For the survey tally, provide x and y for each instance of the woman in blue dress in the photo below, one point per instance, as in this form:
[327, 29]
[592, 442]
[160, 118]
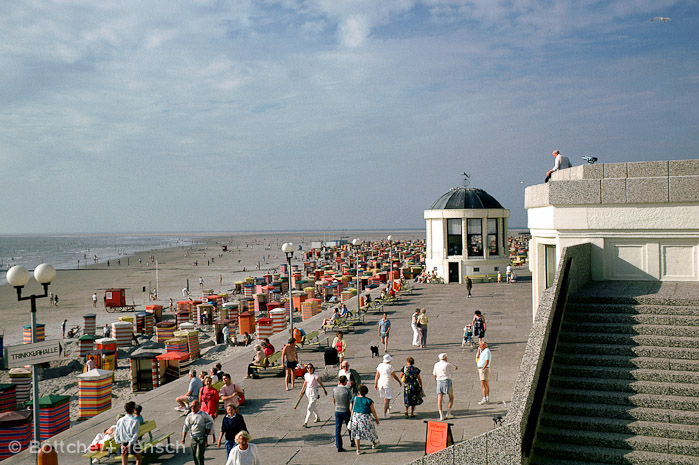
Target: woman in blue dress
[412, 386]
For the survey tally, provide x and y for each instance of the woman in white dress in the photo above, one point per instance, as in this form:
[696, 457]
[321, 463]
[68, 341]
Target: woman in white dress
[417, 334]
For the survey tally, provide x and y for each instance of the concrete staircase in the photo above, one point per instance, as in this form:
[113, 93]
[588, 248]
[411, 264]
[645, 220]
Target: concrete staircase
[624, 386]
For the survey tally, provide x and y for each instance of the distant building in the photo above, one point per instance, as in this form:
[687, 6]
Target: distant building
[641, 218]
[466, 235]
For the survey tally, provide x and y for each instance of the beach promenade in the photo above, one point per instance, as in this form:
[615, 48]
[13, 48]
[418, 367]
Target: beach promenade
[277, 428]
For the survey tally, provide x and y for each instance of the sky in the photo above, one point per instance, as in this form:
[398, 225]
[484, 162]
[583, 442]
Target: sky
[136, 116]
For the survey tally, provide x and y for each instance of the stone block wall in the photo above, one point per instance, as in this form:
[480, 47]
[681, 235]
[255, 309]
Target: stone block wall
[649, 182]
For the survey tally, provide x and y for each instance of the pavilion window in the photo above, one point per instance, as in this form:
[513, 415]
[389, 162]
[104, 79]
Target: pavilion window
[493, 236]
[454, 237]
[474, 237]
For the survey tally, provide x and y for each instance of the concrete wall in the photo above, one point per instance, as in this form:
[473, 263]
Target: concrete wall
[642, 220]
[503, 445]
[673, 181]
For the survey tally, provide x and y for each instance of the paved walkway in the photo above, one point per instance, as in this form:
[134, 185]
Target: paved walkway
[276, 427]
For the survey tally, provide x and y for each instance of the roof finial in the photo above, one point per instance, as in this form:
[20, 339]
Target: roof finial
[466, 181]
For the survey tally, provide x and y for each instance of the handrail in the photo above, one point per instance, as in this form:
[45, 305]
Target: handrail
[546, 362]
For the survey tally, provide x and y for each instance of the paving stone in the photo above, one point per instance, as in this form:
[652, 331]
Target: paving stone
[684, 188]
[683, 167]
[580, 192]
[592, 171]
[614, 170]
[647, 169]
[613, 191]
[647, 190]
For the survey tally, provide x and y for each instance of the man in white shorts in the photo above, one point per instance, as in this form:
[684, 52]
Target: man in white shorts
[442, 374]
[483, 365]
[384, 372]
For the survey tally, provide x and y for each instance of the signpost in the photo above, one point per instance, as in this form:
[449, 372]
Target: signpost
[32, 354]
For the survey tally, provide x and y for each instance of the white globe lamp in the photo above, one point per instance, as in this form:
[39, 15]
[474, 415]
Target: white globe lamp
[17, 276]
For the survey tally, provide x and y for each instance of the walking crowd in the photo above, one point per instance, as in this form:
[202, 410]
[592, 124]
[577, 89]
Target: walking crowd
[356, 413]
[353, 406]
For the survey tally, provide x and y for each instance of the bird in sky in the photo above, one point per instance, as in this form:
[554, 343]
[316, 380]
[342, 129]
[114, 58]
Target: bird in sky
[664, 19]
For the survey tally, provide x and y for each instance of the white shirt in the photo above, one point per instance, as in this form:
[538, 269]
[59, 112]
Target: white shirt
[311, 380]
[483, 357]
[385, 370]
[442, 370]
[561, 162]
[244, 457]
[126, 431]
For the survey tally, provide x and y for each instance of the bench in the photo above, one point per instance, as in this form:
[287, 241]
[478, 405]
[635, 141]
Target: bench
[271, 364]
[110, 447]
[373, 306]
[407, 289]
[387, 300]
[484, 278]
[312, 340]
[343, 324]
[355, 317]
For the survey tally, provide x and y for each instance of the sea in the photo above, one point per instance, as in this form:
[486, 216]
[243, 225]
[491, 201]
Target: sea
[73, 250]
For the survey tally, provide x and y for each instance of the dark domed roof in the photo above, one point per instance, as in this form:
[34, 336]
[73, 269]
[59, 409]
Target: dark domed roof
[461, 198]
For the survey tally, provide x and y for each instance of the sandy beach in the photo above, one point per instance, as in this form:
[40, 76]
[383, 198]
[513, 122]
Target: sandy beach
[175, 267]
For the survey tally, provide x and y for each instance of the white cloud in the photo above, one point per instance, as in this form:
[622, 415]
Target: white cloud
[353, 31]
[301, 95]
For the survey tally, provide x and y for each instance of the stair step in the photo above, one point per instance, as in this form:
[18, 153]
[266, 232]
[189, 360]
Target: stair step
[629, 318]
[640, 329]
[592, 397]
[622, 412]
[615, 425]
[588, 348]
[573, 307]
[619, 441]
[622, 373]
[627, 386]
[563, 453]
[630, 339]
[625, 300]
[631, 363]
[540, 460]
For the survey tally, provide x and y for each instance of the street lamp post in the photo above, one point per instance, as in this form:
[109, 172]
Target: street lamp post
[356, 243]
[288, 249]
[18, 277]
[390, 261]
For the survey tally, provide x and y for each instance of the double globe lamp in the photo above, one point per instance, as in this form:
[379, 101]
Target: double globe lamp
[18, 277]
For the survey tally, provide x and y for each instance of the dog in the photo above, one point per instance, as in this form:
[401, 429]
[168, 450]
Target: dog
[374, 351]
